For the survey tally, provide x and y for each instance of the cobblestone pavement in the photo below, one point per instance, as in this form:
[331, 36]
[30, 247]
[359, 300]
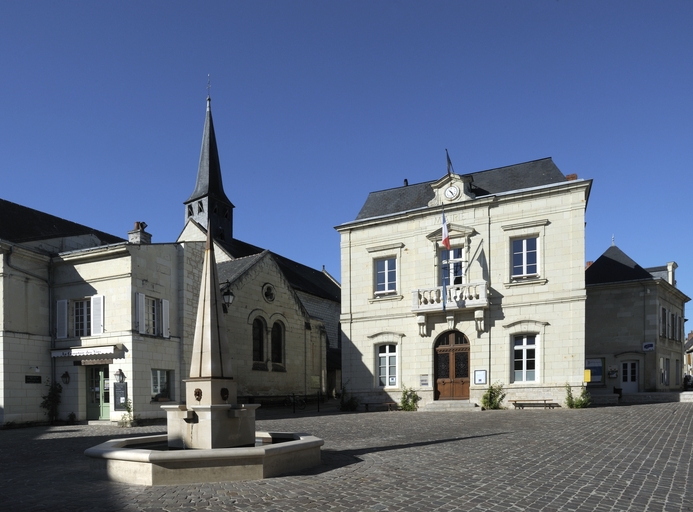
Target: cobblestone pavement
[607, 459]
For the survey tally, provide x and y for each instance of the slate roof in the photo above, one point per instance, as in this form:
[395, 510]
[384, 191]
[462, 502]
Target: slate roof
[20, 224]
[661, 272]
[493, 181]
[301, 277]
[614, 266]
[232, 270]
[209, 181]
[239, 249]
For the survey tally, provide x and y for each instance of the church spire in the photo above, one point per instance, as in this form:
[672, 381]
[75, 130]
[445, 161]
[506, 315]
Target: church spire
[208, 204]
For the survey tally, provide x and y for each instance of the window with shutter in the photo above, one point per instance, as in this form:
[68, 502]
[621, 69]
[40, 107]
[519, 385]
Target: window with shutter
[61, 320]
[97, 303]
[165, 327]
[140, 304]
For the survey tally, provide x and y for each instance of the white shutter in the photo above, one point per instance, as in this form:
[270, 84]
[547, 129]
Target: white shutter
[61, 320]
[97, 315]
[165, 329]
[140, 313]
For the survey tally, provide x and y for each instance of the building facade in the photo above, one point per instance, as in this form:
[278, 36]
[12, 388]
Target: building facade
[452, 285]
[87, 309]
[634, 333]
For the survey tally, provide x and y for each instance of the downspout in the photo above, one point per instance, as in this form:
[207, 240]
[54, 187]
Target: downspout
[488, 237]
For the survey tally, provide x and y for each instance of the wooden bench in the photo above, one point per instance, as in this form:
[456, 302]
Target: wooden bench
[546, 403]
[391, 406]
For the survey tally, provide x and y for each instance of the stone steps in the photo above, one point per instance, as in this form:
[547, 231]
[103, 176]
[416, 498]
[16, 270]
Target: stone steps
[451, 406]
[642, 398]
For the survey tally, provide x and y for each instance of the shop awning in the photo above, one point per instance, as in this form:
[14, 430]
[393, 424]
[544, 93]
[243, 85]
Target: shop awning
[88, 352]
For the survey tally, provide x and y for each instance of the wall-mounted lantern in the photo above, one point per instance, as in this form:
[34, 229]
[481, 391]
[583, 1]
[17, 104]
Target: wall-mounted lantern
[119, 376]
[227, 295]
[65, 377]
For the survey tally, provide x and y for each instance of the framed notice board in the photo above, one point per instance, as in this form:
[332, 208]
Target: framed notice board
[120, 395]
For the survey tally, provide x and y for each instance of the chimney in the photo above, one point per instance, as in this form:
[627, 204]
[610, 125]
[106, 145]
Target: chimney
[139, 235]
[671, 268]
[571, 177]
[588, 265]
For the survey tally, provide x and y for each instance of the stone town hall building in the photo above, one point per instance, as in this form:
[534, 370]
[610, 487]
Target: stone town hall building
[505, 302]
[83, 308]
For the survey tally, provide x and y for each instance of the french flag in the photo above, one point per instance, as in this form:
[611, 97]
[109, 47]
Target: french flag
[446, 235]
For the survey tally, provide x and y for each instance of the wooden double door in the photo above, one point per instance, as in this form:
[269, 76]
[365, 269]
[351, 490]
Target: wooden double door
[452, 367]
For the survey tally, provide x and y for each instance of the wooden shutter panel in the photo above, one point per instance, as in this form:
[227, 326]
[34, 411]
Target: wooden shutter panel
[140, 312]
[165, 329]
[61, 320]
[97, 302]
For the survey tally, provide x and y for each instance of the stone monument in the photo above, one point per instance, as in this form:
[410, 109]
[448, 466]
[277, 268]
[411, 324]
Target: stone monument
[210, 418]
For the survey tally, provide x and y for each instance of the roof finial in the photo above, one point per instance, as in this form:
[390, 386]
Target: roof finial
[209, 98]
[613, 240]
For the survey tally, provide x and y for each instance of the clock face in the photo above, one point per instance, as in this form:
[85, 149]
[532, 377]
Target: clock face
[451, 192]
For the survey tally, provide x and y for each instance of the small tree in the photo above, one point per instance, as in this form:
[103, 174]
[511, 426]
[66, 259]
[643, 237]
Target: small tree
[52, 400]
[584, 400]
[409, 400]
[494, 396]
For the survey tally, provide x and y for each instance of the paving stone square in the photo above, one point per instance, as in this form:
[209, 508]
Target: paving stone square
[625, 458]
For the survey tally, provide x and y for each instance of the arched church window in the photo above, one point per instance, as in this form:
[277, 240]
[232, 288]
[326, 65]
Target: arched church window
[277, 343]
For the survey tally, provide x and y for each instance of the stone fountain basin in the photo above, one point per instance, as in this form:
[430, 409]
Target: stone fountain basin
[120, 460]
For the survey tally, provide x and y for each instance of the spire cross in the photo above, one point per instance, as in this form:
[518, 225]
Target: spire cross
[209, 85]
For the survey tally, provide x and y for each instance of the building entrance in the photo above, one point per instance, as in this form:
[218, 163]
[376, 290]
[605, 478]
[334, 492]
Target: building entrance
[629, 376]
[98, 393]
[452, 367]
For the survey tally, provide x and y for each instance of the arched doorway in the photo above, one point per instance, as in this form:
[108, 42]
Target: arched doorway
[451, 360]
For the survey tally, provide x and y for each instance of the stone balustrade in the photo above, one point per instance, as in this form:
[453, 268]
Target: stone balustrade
[459, 296]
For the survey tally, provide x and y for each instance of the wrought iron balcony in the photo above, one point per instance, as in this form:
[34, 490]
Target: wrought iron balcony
[458, 296]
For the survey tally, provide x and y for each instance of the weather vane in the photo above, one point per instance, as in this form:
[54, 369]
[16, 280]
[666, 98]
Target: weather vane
[209, 85]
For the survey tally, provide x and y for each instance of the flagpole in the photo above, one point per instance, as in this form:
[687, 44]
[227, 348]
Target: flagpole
[445, 240]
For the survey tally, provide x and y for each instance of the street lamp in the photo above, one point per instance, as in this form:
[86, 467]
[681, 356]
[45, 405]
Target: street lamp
[227, 295]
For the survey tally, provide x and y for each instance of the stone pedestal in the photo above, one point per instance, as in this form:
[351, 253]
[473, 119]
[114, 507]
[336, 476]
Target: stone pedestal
[211, 418]
[205, 427]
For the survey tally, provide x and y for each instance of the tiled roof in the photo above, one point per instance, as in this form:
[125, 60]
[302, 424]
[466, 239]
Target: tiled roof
[493, 181]
[20, 224]
[614, 266]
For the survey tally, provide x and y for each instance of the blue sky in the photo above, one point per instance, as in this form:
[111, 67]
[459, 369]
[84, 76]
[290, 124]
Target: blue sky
[317, 103]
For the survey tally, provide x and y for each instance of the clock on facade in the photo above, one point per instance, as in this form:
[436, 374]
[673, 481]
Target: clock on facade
[452, 192]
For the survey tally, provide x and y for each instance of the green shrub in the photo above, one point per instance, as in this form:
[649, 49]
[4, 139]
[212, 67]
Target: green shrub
[582, 401]
[410, 399]
[128, 419]
[52, 400]
[494, 396]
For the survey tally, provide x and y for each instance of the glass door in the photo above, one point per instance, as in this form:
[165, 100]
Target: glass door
[98, 393]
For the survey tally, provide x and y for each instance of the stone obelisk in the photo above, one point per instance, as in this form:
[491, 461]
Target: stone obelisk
[211, 418]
